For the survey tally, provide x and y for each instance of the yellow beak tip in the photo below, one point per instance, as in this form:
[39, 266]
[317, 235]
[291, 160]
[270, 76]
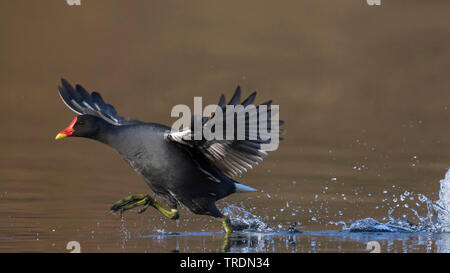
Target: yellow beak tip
[59, 136]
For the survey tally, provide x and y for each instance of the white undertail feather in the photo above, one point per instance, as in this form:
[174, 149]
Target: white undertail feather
[243, 188]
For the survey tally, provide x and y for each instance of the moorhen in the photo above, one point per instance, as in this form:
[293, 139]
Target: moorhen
[192, 173]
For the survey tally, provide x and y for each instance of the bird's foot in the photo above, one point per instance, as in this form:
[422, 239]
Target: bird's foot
[145, 201]
[228, 231]
[226, 243]
[226, 224]
[131, 202]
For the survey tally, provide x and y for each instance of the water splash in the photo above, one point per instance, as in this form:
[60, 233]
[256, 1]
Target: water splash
[243, 220]
[437, 218]
[372, 225]
[125, 233]
[443, 204]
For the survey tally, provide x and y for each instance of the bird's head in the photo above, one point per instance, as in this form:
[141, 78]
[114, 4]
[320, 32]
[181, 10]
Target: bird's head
[81, 126]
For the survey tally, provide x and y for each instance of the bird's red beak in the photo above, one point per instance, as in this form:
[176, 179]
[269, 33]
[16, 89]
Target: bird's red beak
[68, 131]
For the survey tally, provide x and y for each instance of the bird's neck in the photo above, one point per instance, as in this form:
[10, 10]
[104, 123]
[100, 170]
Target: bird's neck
[107, 134]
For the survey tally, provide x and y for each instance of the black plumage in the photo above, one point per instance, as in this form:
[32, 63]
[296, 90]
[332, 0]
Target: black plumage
[192, 173]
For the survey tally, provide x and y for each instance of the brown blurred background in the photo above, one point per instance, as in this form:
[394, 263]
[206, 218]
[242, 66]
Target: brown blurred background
[356, 84]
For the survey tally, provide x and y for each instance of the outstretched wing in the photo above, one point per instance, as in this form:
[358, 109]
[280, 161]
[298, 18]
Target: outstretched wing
[236, 156]
[83, 103]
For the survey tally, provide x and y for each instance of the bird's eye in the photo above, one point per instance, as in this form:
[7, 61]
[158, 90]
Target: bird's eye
[81, 123]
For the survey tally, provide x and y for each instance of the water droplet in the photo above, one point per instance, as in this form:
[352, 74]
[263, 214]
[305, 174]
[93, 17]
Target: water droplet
[422, 198]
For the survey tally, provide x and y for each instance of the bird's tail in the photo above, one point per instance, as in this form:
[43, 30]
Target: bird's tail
[243, 188]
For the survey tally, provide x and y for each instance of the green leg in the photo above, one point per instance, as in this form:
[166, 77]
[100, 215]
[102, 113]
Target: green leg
[146, 201]
[226, 243]
[226, 224]
[228, 230]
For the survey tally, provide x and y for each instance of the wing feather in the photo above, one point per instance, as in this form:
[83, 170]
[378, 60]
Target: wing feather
[233, 157]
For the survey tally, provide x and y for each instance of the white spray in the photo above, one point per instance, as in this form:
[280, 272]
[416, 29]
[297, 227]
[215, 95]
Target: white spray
[444, 203]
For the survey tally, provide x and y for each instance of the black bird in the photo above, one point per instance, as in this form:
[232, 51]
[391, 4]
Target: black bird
[192, 173]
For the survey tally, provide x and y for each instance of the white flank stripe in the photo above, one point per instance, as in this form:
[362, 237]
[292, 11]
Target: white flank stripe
[243, 188]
